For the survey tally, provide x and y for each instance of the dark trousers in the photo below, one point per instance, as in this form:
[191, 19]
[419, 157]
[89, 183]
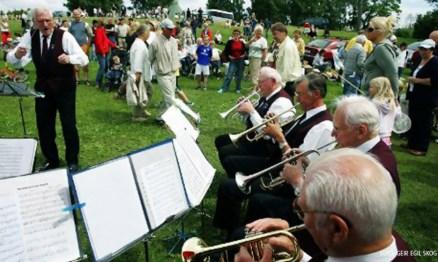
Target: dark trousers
[63, 101]
[290, 89]
[421, 114]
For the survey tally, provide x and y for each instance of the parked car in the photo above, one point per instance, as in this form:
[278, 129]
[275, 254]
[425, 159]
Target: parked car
[330, 47]
[411, 49]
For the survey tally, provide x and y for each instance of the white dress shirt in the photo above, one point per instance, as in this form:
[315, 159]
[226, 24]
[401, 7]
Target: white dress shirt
[319, 135]
[384, 255]
[368, 145]
[69, 45]
[280, 105]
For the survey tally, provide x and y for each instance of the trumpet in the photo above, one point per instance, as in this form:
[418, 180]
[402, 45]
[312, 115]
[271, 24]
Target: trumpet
[253, 97]
[195, 249]
[243, 182]
[259, 134]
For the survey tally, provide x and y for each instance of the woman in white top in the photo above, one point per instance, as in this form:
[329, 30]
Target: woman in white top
[382, 96]
[257, 53]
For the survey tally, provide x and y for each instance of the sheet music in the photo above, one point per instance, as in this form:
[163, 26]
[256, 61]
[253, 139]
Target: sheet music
[11, 231]
[160, 182]
[113, 213]
[47, 232]
[178, 123]
[16, 156]
[197, 172]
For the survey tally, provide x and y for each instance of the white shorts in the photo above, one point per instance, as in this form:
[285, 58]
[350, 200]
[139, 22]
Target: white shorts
[202, 69]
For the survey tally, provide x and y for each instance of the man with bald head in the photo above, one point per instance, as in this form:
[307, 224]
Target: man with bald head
[54, 53]
[348, 204]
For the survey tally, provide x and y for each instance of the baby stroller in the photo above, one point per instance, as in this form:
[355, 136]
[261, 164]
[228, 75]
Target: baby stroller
[116, 74]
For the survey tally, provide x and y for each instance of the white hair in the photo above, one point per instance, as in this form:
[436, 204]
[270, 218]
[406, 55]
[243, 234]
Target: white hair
[270, 72]
[359, 110]
[361, 39]
[39, 10]
[355, 186]
[258, 27]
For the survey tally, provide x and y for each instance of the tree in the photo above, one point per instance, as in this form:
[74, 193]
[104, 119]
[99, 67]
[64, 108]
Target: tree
[433, 2]
[425, 24]
[90, 4]
[144, 5]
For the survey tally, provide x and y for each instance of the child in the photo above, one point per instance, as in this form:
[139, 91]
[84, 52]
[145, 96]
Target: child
[381, 94]
[204, 54]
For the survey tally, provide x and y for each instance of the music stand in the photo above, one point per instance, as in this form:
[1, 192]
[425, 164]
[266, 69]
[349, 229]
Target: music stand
[20, 90]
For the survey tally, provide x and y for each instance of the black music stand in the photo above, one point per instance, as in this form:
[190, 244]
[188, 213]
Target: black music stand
[20, 90]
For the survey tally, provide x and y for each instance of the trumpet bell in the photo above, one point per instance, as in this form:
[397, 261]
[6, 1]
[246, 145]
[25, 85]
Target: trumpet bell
[235, 138]
[241, 183]
[191, 247]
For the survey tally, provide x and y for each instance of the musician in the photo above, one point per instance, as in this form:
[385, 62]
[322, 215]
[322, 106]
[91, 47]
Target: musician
[348, 204]
[309, 131]
[273, 100]
[54, 52]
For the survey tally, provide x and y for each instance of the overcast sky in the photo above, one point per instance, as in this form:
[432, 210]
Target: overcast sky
[408, 7]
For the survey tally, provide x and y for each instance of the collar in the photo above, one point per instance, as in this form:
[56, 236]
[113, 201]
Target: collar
[287, 39]
[273, 93]
[383, 255]
[42, 36]
[368, 145]
[315, 111]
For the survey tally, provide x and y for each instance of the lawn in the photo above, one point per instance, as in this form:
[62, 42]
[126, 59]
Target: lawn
[106, 131]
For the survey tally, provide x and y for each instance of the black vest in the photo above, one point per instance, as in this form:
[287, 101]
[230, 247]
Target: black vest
[296, 136]
[263, 106]
[51, 75]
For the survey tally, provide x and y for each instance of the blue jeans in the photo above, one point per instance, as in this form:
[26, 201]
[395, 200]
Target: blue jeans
[348, 88]
[101, 59]
[235, 69]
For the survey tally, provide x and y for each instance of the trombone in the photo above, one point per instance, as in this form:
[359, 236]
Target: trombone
[243, 182]
[253, 97]
[259, 134]
[195, 249]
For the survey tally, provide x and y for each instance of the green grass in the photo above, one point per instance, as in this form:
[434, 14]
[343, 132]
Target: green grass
[106, 131]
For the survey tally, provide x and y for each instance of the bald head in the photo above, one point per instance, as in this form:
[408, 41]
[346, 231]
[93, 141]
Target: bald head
[434, 36]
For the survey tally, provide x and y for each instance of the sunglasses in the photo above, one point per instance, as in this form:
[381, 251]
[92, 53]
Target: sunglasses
[370, 29]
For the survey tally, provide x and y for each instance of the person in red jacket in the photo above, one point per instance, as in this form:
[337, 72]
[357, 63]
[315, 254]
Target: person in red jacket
[102, 45]
[207, 32]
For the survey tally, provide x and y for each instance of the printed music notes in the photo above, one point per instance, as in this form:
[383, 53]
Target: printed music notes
[16, 156]
[33, 226]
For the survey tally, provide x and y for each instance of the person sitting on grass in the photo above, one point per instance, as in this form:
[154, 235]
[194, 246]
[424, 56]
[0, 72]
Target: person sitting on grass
[203, 54]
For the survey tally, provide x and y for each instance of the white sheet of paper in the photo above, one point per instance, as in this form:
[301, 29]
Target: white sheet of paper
[197, 172]
[113, 213]
[160, 182]
[48, 233]
[178, 123]
[16, 156]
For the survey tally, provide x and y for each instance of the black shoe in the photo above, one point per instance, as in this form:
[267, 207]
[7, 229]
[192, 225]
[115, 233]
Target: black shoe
[47, 166]
[73, 168]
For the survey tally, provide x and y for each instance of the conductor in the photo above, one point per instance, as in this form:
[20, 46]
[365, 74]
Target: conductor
[54, 52]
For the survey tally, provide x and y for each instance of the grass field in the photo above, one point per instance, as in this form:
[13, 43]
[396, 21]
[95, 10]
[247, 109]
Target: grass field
[106, 131]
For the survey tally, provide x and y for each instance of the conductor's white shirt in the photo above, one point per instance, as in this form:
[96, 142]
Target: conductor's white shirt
[69, 45]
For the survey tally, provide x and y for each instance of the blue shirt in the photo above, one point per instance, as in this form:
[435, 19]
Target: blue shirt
[204, 54]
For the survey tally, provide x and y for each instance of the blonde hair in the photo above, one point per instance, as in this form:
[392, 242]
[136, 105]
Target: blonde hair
[258, 27]
[384, 91]
[383, 24]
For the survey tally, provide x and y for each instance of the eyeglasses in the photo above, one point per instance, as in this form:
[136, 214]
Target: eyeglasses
[300, 212]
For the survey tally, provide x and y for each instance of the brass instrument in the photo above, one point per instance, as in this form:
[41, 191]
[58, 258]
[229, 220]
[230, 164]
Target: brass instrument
[253, 97]
[360, 91]
[258, 135]
[243, 182]
[195, 249]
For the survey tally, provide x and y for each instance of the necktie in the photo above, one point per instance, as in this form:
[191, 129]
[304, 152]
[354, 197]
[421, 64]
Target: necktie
[45, 47]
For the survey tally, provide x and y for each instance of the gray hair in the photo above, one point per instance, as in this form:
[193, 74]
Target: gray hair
[40, 10]
[361, 39]
[316, 82]
[270, 72]
[355, 186]
[359, 110]
[142, 29]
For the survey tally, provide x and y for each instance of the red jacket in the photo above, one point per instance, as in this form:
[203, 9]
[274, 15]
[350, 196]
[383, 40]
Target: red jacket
[102, 42]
